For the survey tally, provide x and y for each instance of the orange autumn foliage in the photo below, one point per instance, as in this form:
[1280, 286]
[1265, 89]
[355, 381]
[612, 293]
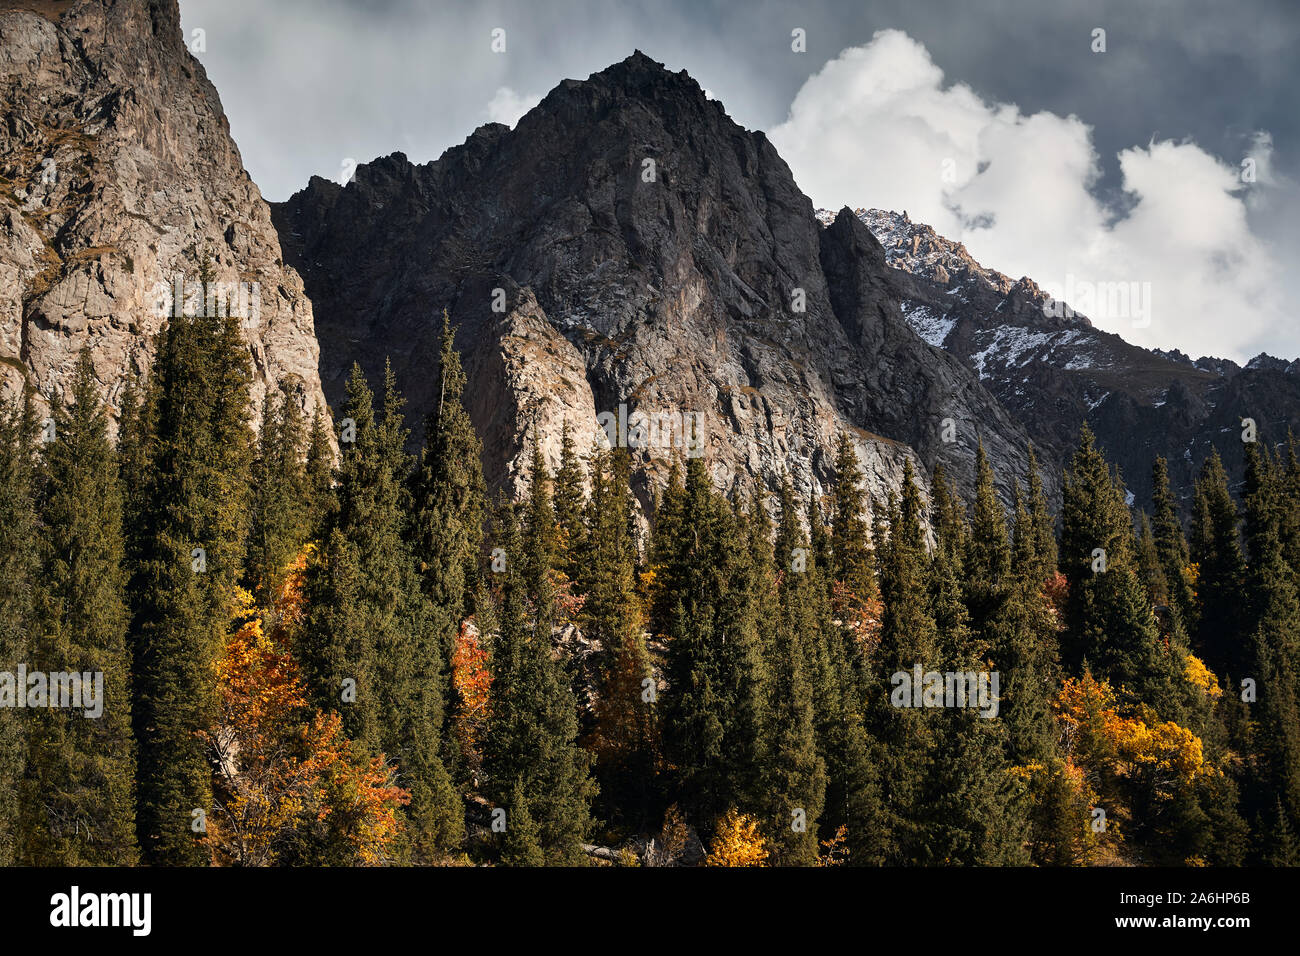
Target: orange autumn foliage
[280, 768]
[471, 678]
[1124, 747]
[861, 617]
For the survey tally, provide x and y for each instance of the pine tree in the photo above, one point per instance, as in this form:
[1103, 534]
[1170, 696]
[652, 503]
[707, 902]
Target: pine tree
[903, 736]
[522, 843]
[531, 748]
[569, 506]
[1150, 569]
[371, 650]
[79, 787]
[613, 616]
[1044, 533]
[190, 541]
[974, 813]
[1009, 616]
[1171, 546]
[1110, 620]
[18, 570]
[136, 425]
[988, 552]
[450, 495]
[712, 709]
[850, 548]
[281, 500]
[794, 773]
[1274, 622]
[852, 805]
[1221, 568]
[318, 476]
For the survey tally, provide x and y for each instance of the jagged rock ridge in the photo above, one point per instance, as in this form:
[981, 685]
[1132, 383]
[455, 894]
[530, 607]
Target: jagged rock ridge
[1052, 372]
[652, 254]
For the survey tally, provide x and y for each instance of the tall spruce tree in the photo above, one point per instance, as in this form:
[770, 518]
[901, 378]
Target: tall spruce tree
[850, 544]
[1275, 638]
[371, 650]
[282, 502]
[713, 707]
[79, 789]
[318, 475]
[793, 773]
[1009, 615]
[903, 735]
[612, 614]
[450, 496]
[532, 757]
[1111, 623]
[192, 524]
[570, 506]
[1171, 546]
[18, 570]
[1220, 573]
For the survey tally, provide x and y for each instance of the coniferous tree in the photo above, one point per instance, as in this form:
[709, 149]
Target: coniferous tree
[1150, 569]
[1008, 614]
[903, 735]
[532, 754]
[79, 788]
[1220, 572]
[135, 430]
[281, 500]
[1275, 639]
[318, 476]
[451, 496]
[192, 524]
[794, 773]
[522, 846]
[713, 706]
[371, 650]
[1044, 531]
[569, 506]
[1171, 546]
[18, 569]
[1110, 620]
[612, 614]
[850, 546]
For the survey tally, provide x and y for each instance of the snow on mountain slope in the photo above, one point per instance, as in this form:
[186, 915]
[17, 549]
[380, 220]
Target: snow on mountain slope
[1054, 371]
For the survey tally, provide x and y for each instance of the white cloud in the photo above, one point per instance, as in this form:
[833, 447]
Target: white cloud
[878, 127]
[507, 106]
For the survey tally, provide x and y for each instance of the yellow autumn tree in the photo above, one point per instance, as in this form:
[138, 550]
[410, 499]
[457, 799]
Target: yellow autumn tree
[280, 769]
[737, 842]
[1138, 766]
[1202, 678]
[1096, 734]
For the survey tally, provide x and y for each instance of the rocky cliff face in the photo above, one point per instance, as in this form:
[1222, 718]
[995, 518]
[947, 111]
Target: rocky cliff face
[1052, 371]
[117, 175]
[628, 247]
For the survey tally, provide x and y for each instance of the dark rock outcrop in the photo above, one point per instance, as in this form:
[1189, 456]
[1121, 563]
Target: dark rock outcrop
[650, 253]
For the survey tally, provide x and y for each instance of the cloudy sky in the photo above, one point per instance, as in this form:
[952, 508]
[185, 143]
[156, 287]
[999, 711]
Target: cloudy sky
[1170, 159]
